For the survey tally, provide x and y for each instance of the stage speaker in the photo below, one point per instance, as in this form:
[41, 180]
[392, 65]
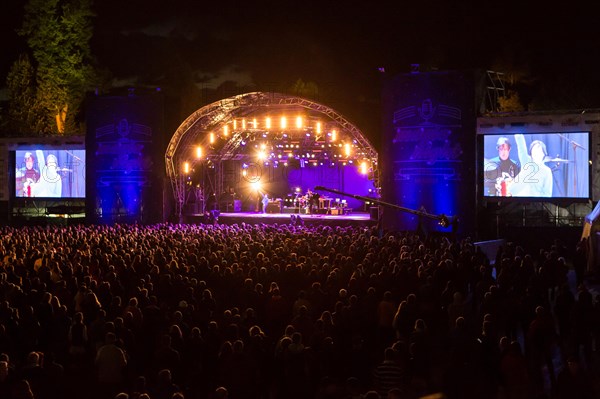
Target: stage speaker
[273, 208]
[124, 136]
[374, 213]
[193, 208]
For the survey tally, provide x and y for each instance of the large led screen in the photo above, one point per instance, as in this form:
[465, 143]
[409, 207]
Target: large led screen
[544, 165]
[56, 173]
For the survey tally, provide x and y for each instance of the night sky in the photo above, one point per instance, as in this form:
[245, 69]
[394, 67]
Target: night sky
[338, 45]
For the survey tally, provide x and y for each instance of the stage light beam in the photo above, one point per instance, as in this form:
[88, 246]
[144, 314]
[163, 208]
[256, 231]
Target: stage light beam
[364, 168]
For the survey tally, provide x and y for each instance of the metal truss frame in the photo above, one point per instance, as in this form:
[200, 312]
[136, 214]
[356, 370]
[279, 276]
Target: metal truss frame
[193, 131]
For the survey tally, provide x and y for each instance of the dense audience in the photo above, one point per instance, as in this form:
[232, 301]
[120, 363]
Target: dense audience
[287, 311]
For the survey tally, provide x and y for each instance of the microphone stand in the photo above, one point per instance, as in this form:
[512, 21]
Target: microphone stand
[76, 173]
[575, 147]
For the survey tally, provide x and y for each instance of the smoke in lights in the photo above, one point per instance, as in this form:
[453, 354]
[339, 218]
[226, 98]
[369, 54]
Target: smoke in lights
[363, 168]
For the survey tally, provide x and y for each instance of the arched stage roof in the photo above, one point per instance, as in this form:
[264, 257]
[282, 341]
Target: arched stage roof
[283, 126]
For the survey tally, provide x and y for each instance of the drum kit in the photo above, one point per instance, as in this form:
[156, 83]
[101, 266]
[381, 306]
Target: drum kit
[556, 160]
[317, 201]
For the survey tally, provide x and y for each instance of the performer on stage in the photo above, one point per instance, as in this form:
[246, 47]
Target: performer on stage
[313, 201]
[265, 202]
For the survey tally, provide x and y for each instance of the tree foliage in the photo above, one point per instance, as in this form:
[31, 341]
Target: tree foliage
[305, 89]
[511, 102]
[58, 35]
[22, 114]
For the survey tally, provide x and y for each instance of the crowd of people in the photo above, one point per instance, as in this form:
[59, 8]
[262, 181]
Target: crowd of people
[287, 311]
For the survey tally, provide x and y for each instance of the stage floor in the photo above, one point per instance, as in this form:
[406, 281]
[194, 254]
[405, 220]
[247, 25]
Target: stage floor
[355, 218]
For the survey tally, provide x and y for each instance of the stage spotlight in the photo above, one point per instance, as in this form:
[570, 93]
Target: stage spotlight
[363, 168]
[212, 138]
[318, 127]
[268, 123]
[226, 129]
[186, 167]
[347, 149]
[255, 185]
[198, 152]
[283, 122]
[299, 122]
[333, 135]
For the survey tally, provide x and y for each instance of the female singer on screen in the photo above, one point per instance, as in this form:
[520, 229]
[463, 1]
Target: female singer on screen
[535, 178]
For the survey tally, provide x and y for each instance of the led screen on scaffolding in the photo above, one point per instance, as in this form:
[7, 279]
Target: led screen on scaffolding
[55, 173]
[541, 165]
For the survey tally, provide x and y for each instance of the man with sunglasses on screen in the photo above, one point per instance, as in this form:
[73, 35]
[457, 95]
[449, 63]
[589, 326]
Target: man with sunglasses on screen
[26, 176]
[500, 168]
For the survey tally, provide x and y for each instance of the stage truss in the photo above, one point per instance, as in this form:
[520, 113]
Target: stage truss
[221, 131]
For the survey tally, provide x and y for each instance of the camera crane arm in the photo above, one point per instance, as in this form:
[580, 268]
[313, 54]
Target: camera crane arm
[442, 219]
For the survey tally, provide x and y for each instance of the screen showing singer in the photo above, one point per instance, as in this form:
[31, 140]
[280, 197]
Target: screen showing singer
[50, 173]
[541, 165]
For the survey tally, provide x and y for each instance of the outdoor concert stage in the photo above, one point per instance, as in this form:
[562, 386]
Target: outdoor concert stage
[353, 219]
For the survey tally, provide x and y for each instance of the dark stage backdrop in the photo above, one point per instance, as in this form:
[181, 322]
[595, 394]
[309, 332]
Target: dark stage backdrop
[125, 158]
[429, 145]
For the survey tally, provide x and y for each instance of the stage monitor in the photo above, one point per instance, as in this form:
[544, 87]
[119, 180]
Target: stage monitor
[49, 173]
[536, 165]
